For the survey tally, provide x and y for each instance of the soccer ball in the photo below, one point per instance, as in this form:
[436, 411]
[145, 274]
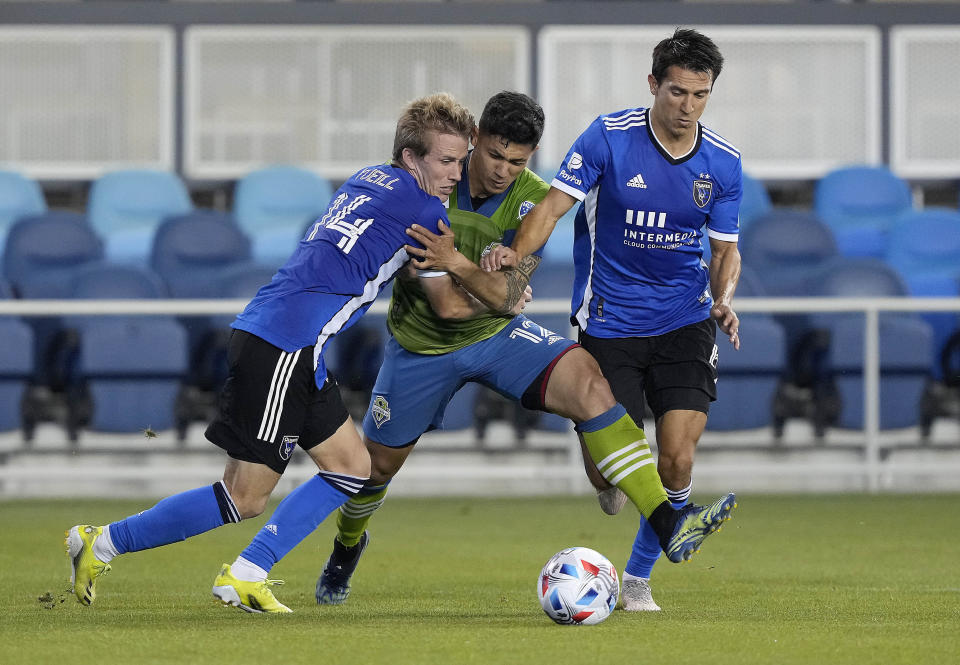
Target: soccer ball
[578, 586]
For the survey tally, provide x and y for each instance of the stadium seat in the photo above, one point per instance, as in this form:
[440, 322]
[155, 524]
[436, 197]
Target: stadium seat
[756, 201]
[274, 204]
[16, 365]
[784, 247]
[906, 344]
[19, 197]
[860, 204]
[36, 268]
[191, 252]
[925, 249]
[749, 377]
[126, 207]
[130, 390]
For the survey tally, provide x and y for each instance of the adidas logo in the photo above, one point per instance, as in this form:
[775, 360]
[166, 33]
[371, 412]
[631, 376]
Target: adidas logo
[272, 528]
[637, 181]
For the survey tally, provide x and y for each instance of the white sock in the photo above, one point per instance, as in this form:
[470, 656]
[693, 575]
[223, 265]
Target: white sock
[628, 576]
[245, 571]
[103, 547]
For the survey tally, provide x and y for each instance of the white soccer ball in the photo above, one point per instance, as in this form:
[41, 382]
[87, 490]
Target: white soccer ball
[578, 586]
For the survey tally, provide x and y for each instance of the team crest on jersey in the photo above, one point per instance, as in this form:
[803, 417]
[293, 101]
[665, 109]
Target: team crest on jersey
[702, 192]
[287, 444]
[380, 410]
[525, 207]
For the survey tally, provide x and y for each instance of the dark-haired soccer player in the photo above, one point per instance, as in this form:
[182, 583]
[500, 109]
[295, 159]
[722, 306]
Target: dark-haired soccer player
[647, 307]
[438, 343]
[278, 394]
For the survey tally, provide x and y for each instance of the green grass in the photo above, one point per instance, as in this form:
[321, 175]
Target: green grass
[808, 579]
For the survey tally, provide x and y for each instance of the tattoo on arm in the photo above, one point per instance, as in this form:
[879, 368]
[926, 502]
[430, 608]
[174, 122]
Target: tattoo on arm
[517, 280]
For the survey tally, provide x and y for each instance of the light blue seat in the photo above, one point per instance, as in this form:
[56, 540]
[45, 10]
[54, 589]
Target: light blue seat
[19, 197]
[861, 204]
[126, 207]
[273, 205]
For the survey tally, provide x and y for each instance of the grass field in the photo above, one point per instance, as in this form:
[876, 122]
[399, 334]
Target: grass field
[799, 579]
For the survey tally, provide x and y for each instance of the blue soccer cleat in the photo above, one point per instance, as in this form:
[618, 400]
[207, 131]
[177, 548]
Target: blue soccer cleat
[694, 524]
[333, 586]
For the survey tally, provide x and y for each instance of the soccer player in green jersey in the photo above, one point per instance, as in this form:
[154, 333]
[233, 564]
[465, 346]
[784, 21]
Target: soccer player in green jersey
[451, 323]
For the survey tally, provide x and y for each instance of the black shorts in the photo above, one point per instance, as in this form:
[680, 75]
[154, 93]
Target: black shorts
[270, 403]
[673, 371]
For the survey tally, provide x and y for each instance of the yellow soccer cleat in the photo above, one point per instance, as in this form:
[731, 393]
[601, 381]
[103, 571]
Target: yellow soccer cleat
[85, 568]
[248, 596]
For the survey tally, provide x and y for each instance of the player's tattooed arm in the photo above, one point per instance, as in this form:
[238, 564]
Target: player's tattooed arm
[517, 280]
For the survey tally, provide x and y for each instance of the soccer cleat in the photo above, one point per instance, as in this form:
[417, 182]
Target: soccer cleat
[694, 524]
[85, 568]
[635, 596]
[253, 597]
[611, 500]
[333, 586]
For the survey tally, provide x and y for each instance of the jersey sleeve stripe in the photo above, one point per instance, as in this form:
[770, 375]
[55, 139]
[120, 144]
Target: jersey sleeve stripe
[642, 123]
[719, 140]
[726, 237]
[567, 189]
[721, 146]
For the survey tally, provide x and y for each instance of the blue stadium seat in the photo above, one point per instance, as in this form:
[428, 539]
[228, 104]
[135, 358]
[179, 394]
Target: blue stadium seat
[756, 201]
[274, 204]
[129, 389]
[748, 378]
[784, 247]
[16, 365]
[925, 249]
[906, 344]
[860, 204]
[19, 197]
[126, 207]
[42, 257]
[191, 252]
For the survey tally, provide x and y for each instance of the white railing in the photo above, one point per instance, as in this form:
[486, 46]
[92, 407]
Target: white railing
[871, 308]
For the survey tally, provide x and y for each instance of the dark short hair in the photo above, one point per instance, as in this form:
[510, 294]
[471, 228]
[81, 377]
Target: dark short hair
[439, 112]
[687, 49]
[513, 116]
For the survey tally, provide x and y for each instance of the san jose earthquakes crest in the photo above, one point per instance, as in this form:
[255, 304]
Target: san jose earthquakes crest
[287, 444]
[702, 192]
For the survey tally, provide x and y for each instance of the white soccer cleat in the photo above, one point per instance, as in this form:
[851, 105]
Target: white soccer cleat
[635, 596]
[611, 500]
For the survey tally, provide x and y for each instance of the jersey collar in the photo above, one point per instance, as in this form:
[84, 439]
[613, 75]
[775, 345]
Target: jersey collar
[663, 151]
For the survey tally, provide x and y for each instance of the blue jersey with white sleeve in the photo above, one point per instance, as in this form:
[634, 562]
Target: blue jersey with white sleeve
[638, 232]
[345, 258]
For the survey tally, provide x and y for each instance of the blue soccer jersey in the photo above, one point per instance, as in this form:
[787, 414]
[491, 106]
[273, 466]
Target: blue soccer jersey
[343, 261]
[638, 232]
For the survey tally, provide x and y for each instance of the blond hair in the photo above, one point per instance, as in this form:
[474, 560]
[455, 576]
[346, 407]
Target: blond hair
[439, 112]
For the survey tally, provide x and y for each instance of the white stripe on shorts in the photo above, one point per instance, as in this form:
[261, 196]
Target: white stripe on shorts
[278, 390]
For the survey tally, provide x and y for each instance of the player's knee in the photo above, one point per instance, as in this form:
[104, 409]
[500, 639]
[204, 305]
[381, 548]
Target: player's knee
[675, 468]
[249, 505]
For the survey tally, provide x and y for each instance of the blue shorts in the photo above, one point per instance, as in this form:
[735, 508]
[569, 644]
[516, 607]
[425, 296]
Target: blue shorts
[413, 390]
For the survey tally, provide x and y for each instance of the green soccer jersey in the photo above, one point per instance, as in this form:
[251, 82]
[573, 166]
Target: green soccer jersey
[411, 319]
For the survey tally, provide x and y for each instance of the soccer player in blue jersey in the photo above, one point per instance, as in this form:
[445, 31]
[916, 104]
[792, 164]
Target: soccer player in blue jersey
[441, 340]
[278, 394]
[649, 180]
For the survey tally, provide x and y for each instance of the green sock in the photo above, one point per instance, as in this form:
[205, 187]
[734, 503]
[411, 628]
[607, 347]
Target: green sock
[355, 514]
[622, 455]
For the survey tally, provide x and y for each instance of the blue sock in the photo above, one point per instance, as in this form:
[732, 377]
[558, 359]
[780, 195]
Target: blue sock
[175, 518]
[298, 515]
[646, 546]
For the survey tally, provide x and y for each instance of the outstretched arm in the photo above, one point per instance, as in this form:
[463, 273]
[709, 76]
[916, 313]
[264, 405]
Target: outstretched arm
[535, 229]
